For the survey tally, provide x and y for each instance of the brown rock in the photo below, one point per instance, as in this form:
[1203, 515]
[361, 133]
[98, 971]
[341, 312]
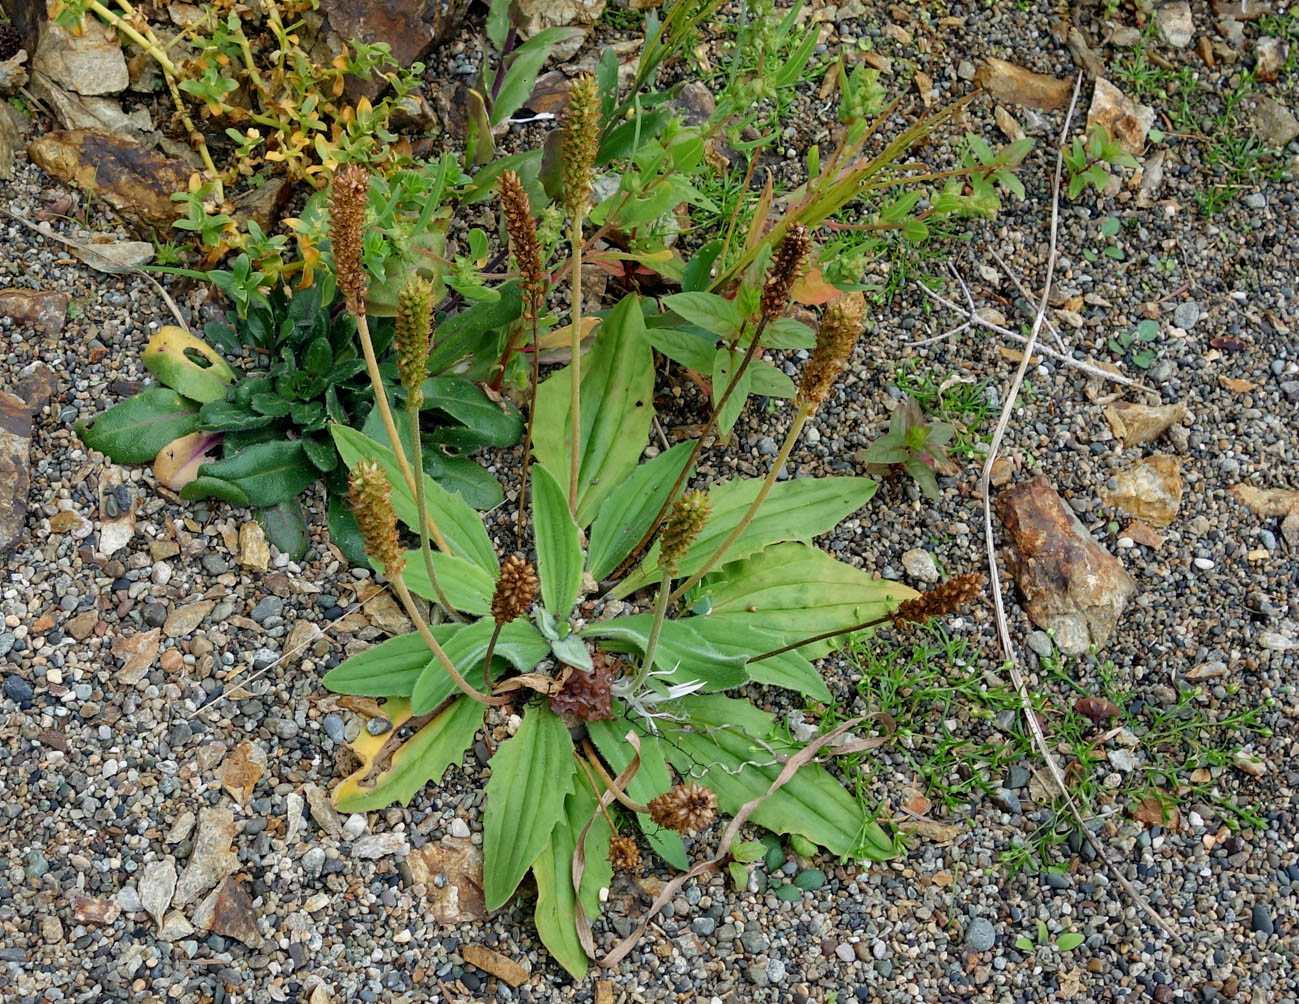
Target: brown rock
[322, 810]
[1008, 82]
[137, 652]
[459, 899]
[410, 27]
[1276, 124]
[1070, 584]
[213, 857]
[1269, 57]
[1267, 501]
[1143, 534]
[228, 911]
[1242, 10]
[88, 61]
[495, 963]
[89, 910]
[254, 552]
[1150, 489]
[135, 182]
[242, 769]
[1127, 120]
[183, 620]
[81, 626]
[1138, 423]
[44, 312]
[15, 478]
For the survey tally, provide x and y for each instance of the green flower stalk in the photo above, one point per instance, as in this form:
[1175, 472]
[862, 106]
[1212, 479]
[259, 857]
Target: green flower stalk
[680, 530]
[516, 589]
[371, 500]
[581, 136]
[412, 336]
[838, 333]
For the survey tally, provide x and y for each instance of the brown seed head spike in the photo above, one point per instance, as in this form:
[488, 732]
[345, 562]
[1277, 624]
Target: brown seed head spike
[515, 590]
[412, 334]
[835, 339]
[680, 529]
[686, 808]
[786, 268]
[581, 135]
[624, 855]
[347, 200]
[522, 231]
[371, 499]
[944, 599]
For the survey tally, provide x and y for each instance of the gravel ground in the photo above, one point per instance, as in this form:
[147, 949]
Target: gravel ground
[104, 769]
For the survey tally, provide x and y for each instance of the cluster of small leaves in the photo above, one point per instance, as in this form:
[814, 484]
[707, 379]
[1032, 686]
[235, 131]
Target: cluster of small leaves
[1136, 344]
[1088, 162]
[913, 444]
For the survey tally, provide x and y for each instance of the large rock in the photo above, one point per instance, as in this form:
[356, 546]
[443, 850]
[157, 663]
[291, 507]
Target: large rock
[1151, 489]
[410, 28]
[1141, 423]
[1008, 82]
[538, 15]
[15, 479]
[1126, 120]
[1276, 124]
[135, 182]
[1070, 584]
[89, 61]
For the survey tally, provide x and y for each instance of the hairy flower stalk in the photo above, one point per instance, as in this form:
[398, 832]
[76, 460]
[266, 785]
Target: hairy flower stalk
[522, 232]
[347, 201]
[412, 336]
[371, 499]
[581, 133]
[787, 266]
[516, 589]
[834, 344]
[951, 596]
[689, 513]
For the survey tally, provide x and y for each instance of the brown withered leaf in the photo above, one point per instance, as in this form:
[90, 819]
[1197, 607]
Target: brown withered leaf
[1098, 709]
[1153, 812]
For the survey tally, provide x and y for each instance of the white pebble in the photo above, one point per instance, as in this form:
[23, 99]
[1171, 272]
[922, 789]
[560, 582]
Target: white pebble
[1203, 564]
[354, 826]
[459, 828]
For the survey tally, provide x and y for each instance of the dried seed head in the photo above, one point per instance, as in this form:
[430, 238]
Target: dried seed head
[944, 599]
[515, 589]
[686, 808]
[414, 329]
[681, 527]
[371, 499]
[347, 200]
[624, 855]
[522, 231]
[786, 268]
[581, 134]
[588, 697]
[835, 339]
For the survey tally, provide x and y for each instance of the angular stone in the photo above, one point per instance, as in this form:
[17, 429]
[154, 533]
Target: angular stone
[43, 312]
[77, 111]
[242, 769]
[183, 620]
[107, 254]
[1276, 124]
[1070, 584]
[384, 612]
[498, 965]
[1139, 423]
[919, 565]
[381, 845]
[1175, 23]
[93, 911]
[228, 911]
[89, 61]
[410, 27]
[157, 885]
[175, 927]
[322, 810]
[213, 857]
[133, 181]
[1127, 121]
[254, 552]
[1242, 10]
[15, 477]
[1008, 82]
[538, 15]
[1269, 57]
[137, 652]
[456, 897]
[1151, 489]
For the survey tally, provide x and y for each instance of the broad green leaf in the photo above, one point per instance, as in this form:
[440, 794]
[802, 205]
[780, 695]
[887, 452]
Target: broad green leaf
[691, 349]
[472, 340]
[809, 878]
[708, 310]
[798, 509]
[787, 333]
[788, 893]
[524, 64]
[268, 473]
[343, 531]
[1068, 941]
[651, 779]
[680, 651]
[468, 587]
[532, 774]
[133, 431]
[222, 416]
[519, 645]
[629, 510]
[392, 668]
[460, 525]
[800, 591]
[421, 759]
[730, 756]
[617, 406]
[766, 381]
[484, 421]
[286, 528]
[556, 910]
[559, 549]
[725, 364]
[790, 670]
[218, 488]
[187, 365]
[461, 476]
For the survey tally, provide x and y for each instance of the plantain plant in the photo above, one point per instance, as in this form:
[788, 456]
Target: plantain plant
[620, 677]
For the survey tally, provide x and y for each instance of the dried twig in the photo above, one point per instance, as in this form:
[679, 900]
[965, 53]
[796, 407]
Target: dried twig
[1003, 630]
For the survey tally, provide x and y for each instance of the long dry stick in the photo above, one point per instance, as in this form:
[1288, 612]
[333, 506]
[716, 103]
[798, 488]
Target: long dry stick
[985, 485]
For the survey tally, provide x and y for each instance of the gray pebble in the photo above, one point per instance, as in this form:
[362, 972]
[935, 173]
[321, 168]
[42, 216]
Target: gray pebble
[980, 935]
[267, 606]
[334, 728]
[1260, 919]
[1186, 314]
[1040, 643]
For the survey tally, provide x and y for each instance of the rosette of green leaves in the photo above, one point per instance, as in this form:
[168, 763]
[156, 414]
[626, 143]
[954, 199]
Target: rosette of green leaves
[774, 589]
